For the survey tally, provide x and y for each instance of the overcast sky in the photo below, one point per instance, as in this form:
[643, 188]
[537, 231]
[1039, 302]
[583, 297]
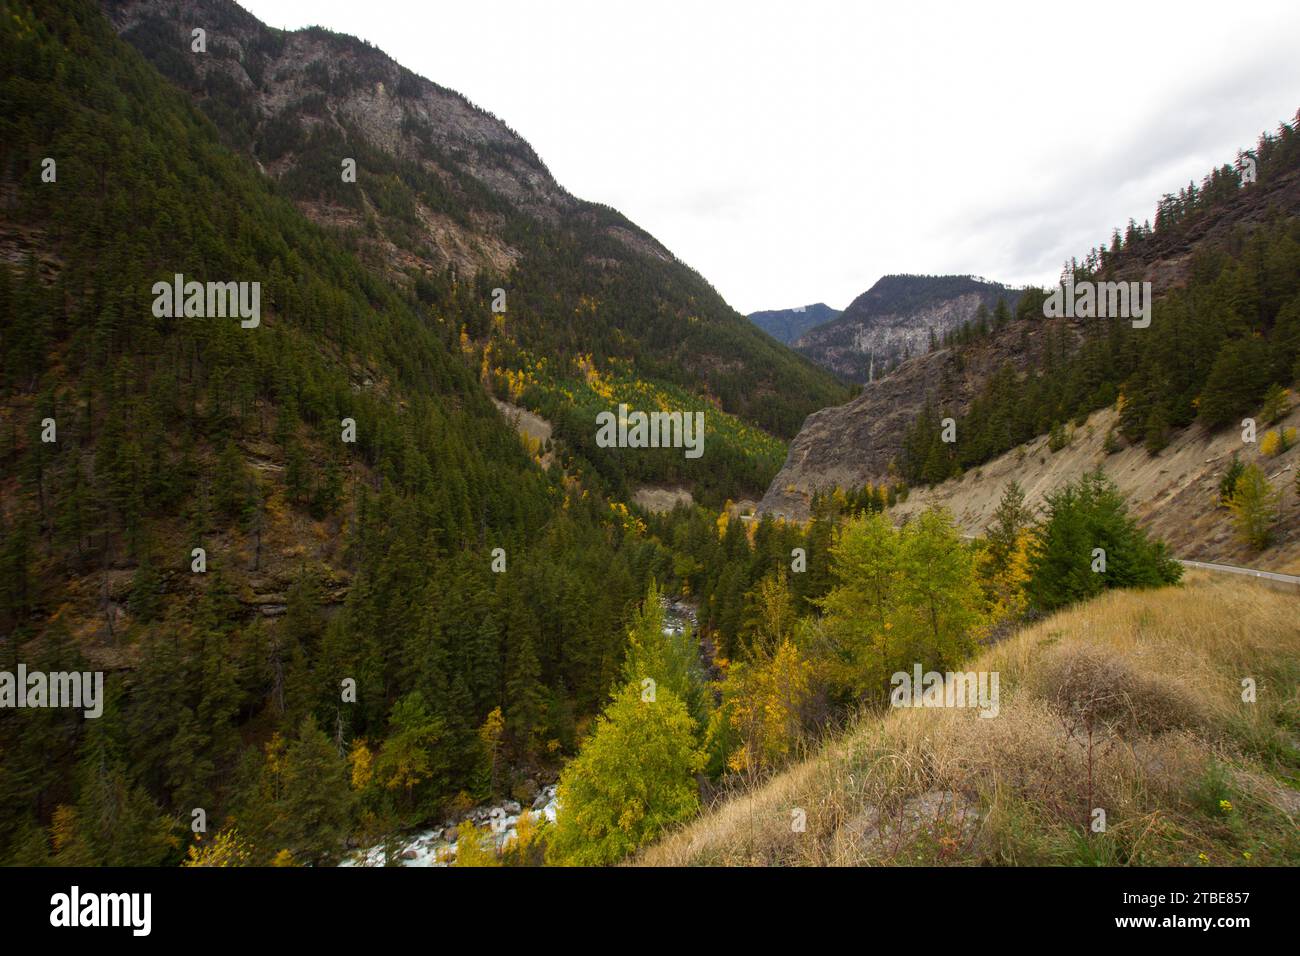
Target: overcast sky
[794, 152]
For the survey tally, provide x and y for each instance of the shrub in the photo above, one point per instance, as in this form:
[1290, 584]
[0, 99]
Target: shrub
[1228, 483]
[1059, 437]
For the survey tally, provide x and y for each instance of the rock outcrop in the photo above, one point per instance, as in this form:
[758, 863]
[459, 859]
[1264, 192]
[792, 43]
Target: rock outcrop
[897, 319]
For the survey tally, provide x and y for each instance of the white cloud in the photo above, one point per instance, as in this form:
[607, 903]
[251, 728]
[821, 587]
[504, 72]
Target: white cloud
[796, 152]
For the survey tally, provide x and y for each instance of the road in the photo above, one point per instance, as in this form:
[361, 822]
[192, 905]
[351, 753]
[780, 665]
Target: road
[1249, 572]
[1291, 579]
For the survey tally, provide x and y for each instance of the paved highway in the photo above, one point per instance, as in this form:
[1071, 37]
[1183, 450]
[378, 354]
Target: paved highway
[1249, 572]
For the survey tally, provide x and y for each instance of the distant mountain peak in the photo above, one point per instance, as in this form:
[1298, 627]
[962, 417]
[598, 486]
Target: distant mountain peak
[786, 325]
[899, 317]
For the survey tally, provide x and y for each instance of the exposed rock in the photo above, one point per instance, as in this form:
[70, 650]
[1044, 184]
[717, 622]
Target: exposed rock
[1172, 494]
[851, 444]
[661, 500]
[938, 814]
[894, 320]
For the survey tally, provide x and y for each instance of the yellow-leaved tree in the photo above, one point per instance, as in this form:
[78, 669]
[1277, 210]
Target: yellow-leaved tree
[475, 846]
[764, 702]
[634, 776]
[1003, 578]
[226, 848]
[904, 596]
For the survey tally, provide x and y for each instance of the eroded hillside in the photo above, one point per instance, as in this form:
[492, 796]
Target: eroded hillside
[1174, 494]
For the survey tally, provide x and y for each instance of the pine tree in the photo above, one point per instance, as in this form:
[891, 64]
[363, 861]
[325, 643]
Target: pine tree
[1236, 381]
[1009, 520]
[413, 761]
[1231, 475]
[301, 803]
[525, 697]
[1083, 516]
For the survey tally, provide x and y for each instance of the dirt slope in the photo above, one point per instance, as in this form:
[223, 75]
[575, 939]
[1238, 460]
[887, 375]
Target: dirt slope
[1173, 493]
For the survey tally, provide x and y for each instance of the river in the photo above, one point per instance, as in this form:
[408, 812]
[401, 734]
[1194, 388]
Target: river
[436, 846]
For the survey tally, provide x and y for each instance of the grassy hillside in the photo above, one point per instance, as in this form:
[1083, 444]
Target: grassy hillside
[1187, 773]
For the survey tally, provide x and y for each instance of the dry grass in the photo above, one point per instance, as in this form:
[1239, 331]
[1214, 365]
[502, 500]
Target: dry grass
[1131, 703]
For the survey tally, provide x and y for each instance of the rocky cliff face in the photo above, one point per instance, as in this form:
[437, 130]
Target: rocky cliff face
[288, 90]
[851, 444]
[895, 320]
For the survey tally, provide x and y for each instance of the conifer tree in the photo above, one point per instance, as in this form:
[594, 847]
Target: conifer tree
[1084, 516]
[525, 697]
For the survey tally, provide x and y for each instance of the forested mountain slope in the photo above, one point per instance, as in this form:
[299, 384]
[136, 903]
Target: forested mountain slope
[450, 202]
[342, 609]
[786, 325]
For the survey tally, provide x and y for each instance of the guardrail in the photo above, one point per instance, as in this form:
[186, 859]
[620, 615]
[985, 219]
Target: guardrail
[1249, 572]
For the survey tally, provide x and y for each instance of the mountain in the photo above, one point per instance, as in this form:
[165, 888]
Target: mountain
[786, 325]
[1224, 263]
[899, 317]
[295, 545]
[447, 199]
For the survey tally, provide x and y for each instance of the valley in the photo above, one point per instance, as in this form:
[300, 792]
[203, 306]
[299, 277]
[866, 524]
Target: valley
[412, 511]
